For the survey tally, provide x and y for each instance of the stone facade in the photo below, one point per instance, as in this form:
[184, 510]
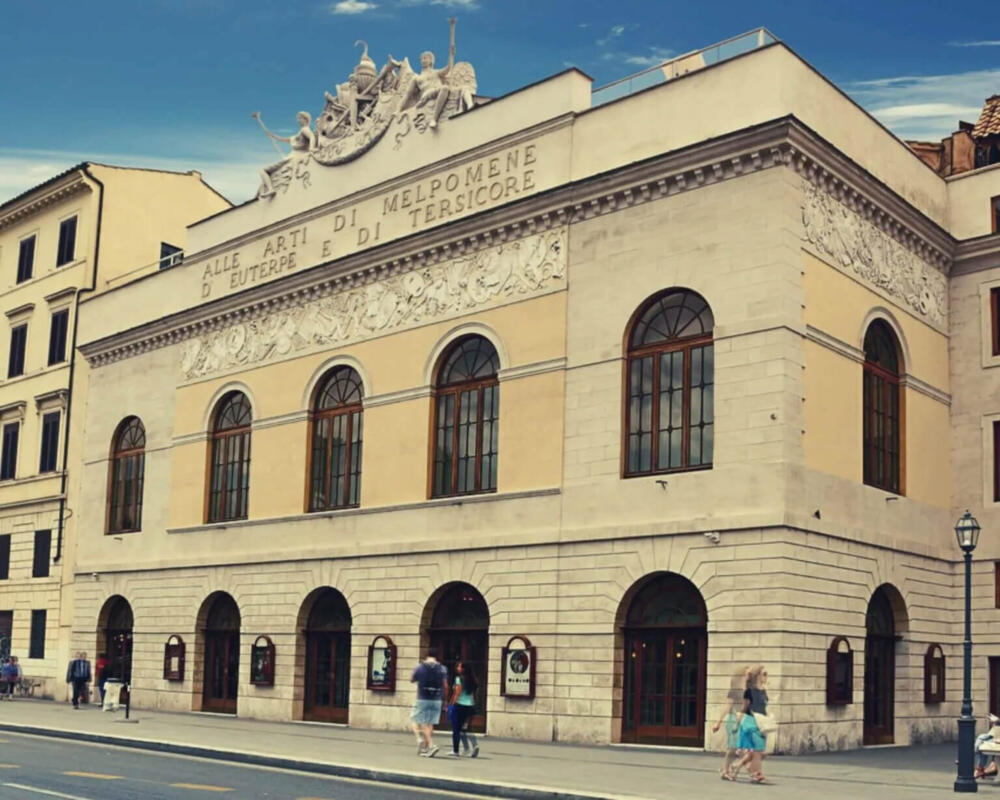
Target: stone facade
[795, 246]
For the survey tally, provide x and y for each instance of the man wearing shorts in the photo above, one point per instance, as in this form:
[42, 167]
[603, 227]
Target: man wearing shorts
[431, 678]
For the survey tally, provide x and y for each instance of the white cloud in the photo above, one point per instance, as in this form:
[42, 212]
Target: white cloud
[926, 107]
[614, 32]
[351, 7]
[468, 5]
[656, 55]
[983, 43]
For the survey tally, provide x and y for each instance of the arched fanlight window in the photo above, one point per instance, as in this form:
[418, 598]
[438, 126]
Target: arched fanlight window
[126, 476]
[229, 480]
[335, 455]
[466, 419]
[669, 389]
[883, 436]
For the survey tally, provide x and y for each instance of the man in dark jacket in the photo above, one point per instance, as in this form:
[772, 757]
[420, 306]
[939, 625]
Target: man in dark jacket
[78, 673]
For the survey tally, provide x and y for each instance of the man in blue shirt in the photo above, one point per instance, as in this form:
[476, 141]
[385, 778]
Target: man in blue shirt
[78, 673]
[431, 678]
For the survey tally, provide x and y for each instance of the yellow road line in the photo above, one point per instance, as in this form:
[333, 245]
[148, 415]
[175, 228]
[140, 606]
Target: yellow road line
[201, 787]
[97, 776]
[8, 766]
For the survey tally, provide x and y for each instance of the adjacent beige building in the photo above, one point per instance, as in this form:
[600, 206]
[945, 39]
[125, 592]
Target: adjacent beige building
[687, 373]
[74, 235]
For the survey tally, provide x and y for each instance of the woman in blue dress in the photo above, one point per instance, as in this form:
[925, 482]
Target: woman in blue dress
[734, 701]
[751, 740]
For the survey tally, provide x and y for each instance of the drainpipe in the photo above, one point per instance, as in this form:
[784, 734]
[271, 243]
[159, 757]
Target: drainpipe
[72, 362]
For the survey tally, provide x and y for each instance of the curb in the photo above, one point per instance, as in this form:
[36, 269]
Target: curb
[463, 786]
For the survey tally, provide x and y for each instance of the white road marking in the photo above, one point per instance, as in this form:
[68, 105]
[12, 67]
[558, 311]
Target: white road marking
[46, 792]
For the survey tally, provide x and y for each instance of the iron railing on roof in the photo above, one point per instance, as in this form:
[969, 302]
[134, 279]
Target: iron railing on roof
[680, 65]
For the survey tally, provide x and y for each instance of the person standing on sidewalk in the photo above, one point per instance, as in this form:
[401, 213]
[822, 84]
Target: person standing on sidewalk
[11, 676]
[431, 678]
[78, 673]
[100, 672]
[463, 706]
[734, 700]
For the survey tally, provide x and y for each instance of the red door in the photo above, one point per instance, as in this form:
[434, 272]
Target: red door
[328, 667]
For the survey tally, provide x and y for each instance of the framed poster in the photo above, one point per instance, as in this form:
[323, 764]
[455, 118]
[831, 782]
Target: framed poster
[517, 669]
[173, 659]
[262, 662]
[382, 665]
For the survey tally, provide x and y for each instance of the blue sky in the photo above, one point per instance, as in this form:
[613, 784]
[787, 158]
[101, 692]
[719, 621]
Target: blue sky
[172, 83]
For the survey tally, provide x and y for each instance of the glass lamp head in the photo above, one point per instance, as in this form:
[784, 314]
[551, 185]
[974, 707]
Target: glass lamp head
[967, 532]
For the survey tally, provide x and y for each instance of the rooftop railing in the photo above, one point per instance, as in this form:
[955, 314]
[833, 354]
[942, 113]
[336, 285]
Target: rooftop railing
[681, 65]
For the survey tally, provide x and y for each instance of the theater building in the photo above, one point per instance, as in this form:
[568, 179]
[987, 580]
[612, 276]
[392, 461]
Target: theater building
[606, 393]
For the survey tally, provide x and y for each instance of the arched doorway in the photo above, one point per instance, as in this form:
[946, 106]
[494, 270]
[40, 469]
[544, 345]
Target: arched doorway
[881, 626]
[459, 630]
[664, 669]
[222, 655]
[116, 638]
[328, 658]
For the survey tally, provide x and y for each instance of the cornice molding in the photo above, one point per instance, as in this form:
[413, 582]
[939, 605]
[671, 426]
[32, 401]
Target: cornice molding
[781, 143]
[32, 205]
[977, 255]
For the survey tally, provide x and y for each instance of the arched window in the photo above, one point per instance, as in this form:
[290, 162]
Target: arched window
[669, 421]
[934, 674]
[335, 458]
[466, 417]
[229, 483]
[882, 432]
[126, 476]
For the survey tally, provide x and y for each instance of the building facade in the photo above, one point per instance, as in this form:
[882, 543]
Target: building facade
[76, 234]
[624, 389]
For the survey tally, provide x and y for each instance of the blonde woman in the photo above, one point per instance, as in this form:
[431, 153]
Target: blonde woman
[734, 701]
[751, 740]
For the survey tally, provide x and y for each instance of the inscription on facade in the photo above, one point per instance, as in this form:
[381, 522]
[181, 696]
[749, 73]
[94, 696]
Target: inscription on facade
[533, 265]
[444, 196]
[858, 246]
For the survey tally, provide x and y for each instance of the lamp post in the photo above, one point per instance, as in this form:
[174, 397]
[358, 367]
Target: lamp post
[967, 532]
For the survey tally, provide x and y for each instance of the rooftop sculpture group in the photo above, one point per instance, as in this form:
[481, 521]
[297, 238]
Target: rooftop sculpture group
[364, 107]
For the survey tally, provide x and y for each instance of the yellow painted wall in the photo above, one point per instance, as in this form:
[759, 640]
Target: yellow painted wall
[838, 306]
[395, 452]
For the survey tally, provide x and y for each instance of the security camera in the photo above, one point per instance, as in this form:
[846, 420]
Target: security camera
[713, 536]
[95, 576]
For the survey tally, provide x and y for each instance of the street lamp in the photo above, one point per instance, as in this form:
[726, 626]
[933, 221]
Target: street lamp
[967, 533]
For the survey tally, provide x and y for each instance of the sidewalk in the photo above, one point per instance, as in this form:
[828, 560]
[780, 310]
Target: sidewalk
[506, 768]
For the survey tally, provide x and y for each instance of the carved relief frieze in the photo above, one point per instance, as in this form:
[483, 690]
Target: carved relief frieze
[523, 267]
[858, 246]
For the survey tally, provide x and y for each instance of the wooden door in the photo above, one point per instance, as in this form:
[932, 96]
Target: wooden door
[664, 696]
[470, 647]
[328, 662]
[880, 680]
[222, 667]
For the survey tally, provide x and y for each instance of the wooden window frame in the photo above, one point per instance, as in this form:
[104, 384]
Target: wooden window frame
[26, 265]
[220, 439]
[33, 635]
[684, 345]
[934, 664]
[456, 390]
[58, 331]
[66, 245]
[49, 448]
[349, 480]
[845, 696]
[871, 374]
[41, 554]
[117, 486]
[995, 320]
[16, 355]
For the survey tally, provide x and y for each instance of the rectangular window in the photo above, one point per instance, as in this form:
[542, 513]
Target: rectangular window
[996, 463]
[170, 256]
[43, 550]
[50, 442]
[995, 320]
[18, 343]
[67, 241]
[995, 213]
[57, 337]
[8, 454]
[5, 556]
[26, 259]
[36, 648]
[6, 631]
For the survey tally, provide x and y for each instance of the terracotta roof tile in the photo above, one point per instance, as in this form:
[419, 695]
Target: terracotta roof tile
[989, 120]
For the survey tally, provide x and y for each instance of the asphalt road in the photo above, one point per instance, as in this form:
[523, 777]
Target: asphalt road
[36, 768]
